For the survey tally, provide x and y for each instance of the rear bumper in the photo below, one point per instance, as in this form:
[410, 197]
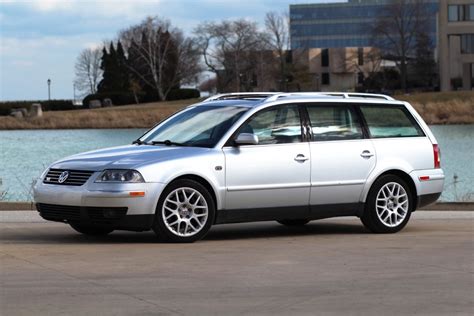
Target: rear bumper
[427, 199]
[429, 185]
[112, 217]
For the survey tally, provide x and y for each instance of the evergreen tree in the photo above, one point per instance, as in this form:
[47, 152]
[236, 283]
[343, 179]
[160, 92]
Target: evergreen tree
[104, 84]
[114, 66]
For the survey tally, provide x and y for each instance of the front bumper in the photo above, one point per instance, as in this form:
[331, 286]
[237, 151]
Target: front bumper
[113, 217]
[98, 203]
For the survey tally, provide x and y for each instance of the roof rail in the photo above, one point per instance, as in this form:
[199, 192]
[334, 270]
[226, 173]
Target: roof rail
[240, 96]
[344, 95]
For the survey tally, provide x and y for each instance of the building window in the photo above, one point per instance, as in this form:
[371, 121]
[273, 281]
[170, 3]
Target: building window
[325, 78]
[467, 44]
[464, 12]
[360, 56]
[325, 58]
[453, 13]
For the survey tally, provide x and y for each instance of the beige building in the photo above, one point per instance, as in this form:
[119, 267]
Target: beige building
[338, 69]
[314, 69]
[456, 44]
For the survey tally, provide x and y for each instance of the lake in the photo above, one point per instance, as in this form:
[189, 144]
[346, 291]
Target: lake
[24, 154]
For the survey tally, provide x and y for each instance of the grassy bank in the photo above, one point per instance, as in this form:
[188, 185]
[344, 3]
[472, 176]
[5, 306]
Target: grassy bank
[128, 116]
[443, 107]
[435, 108]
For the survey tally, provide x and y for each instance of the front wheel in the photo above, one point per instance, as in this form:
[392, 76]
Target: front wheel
[91, 230]
[388, 205]
[185, 212]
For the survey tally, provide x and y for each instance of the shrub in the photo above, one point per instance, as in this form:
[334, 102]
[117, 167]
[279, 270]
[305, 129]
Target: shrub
[182, 94]
[118, 98]
[58, 105]
[52, 105]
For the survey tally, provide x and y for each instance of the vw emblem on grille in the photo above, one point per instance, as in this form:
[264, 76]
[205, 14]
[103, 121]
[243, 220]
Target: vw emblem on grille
[63, 176]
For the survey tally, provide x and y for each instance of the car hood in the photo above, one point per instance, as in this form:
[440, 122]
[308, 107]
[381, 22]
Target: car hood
[126, 157]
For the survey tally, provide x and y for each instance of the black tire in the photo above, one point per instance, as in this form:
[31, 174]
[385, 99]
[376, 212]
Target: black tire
[164, 232]
[371, 220]
[91, 230]
[294, 222]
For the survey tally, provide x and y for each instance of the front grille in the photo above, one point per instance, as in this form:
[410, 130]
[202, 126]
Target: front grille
[75, 177]
[66, 213]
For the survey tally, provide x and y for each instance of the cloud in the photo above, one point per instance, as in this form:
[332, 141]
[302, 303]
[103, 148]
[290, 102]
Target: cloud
[88, 8]
[22, 63]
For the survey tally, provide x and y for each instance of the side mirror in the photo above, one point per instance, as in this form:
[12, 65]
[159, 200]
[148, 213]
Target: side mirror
[246, 139]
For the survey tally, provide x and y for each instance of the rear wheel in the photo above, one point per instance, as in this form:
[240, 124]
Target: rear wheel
[91, 230]
[388, 205]
[294, 222]
[185, 212]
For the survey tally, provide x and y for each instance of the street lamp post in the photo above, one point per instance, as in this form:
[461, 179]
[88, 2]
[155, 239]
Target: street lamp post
[74, 91]
[49, 89]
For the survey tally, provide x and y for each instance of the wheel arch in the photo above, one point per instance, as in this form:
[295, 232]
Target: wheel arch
[201, 181]
[401, 174]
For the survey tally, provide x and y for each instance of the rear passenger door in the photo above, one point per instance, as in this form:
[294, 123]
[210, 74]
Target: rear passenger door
[342, 157]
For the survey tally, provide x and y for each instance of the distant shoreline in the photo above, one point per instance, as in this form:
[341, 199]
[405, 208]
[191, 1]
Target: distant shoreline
[436, 108]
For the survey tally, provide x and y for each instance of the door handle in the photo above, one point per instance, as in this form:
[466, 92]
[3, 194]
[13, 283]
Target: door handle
[301, 158]
[366, 154]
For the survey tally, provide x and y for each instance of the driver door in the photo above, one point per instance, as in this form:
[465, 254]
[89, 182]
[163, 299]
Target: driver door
[273, 175]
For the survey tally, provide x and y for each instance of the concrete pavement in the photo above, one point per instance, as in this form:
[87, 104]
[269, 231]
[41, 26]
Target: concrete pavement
[327, 267]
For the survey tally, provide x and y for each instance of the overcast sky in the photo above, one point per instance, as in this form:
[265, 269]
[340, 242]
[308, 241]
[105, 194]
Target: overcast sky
[41, 39]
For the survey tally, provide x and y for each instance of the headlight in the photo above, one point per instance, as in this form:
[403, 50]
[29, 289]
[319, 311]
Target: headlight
[120, 176]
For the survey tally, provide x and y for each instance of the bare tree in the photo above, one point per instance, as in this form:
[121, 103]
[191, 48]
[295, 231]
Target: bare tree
[87, 70]
[396, 28]
[160, 55]
[208, 85]
[230, 50]
[277, 27]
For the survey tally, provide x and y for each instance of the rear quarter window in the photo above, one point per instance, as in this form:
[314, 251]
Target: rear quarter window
[390, 121]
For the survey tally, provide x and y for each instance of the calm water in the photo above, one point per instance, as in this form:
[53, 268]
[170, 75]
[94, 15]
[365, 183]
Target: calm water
[25, 154]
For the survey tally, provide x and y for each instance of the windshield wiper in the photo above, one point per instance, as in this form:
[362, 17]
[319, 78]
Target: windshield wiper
[167, 143]
[139, 142]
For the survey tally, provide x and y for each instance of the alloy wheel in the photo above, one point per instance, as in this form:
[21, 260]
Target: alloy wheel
[185, 212]
[392, 204]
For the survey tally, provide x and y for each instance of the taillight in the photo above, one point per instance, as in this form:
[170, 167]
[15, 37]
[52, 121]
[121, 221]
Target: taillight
[437, 156]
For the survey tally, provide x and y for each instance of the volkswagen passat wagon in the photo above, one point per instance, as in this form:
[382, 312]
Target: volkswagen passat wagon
[233, 158]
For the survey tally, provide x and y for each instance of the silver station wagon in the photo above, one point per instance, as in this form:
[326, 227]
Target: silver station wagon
[289, 157]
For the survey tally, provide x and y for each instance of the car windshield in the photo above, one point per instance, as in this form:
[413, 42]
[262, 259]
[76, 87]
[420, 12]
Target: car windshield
[200, 126]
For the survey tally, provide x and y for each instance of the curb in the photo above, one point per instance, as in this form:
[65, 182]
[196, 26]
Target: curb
[441, 206]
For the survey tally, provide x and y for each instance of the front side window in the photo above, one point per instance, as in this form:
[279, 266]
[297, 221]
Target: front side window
[334, 122]
[389, 121]
[278, 125]
[200, 126]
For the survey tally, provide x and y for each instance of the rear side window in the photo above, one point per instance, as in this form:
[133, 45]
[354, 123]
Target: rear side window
[388, 121]
[334, 122]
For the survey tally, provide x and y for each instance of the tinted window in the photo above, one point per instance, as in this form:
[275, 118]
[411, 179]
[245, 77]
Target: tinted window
[453, 13]
[275, 126]
[389, 121]
[336, 122]
[325, 78]
[325, 58]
